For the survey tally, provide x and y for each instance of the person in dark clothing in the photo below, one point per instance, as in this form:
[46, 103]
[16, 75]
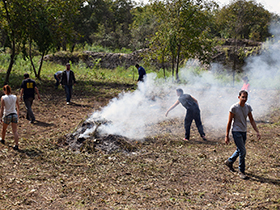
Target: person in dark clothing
[141, 72]
[57, 77]
[27, 93]
[193, 113]
[68, 80]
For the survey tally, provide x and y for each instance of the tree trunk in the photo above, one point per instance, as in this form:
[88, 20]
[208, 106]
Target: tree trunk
[13, 48]
[178, 61]
[234, 61]
[13, 54]
[40, 67]
[173, 66]
[31, 60]
[162, 65]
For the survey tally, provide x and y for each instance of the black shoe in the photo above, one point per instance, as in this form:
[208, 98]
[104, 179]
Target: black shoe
[15, 147]
[204, 138]
[2, 141]
[32, 121]
[229, 165]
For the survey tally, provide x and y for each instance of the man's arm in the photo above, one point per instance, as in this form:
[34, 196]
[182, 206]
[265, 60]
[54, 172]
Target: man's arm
[74, 79]
[230, 117]
[194, 100]
[21, 93]
[37, 91]
[253, 123]
[172, 107]
[62, 78]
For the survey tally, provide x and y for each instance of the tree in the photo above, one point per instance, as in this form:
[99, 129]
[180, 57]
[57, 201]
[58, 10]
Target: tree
[143, 26]
[113, 30]
[12, 22]
[49, 25]
[244, 20]
[184, 26]
[36, 25]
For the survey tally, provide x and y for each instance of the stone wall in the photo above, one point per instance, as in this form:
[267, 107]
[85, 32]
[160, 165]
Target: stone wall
[104, 60]
[225, 54]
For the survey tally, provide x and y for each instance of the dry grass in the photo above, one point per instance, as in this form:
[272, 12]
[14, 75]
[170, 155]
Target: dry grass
[164, 173]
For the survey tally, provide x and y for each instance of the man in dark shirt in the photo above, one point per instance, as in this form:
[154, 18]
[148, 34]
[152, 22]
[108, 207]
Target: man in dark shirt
[193, 113]
[141, 72]
[68, 80]
[27, 93]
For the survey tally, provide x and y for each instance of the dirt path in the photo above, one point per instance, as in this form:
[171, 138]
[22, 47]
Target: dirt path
[164, 173]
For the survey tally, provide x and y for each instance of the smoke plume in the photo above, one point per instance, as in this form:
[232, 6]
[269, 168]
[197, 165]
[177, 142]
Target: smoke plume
[131, 113]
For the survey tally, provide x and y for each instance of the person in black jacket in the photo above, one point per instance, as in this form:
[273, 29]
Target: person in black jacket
[193, 113]
[27, 93]
[68, 80]
[141, 72]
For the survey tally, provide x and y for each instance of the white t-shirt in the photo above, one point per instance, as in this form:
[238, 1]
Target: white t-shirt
[58, 73]
[240, 116]
[68, 76]
[10, 104]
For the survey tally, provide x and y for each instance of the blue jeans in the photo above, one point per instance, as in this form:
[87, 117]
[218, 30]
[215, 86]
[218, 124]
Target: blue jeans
[68, 92]
[57, 82]
[239, 140]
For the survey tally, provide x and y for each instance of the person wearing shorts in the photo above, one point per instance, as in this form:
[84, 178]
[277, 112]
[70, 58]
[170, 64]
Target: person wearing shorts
[9, 114]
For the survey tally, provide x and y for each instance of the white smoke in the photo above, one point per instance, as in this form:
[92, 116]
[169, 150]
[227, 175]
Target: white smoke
[131, 113]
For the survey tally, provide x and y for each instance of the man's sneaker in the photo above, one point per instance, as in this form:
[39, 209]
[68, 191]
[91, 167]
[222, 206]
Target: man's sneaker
[2, 141]
[204, 138]
[229, 165]
[15, 147]
[242, 175]
[67, 103]
[185, 139]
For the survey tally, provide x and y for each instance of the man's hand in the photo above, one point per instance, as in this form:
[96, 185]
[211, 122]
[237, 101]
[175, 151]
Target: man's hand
[258, 135]
[166, 114]
[226, 139]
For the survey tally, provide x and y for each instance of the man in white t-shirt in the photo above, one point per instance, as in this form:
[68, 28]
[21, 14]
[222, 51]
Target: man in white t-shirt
[238, 113]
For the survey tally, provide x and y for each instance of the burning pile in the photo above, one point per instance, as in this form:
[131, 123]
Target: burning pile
[87, 138]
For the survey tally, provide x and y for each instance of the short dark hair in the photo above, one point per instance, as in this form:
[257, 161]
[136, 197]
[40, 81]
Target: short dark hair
[243, 91]
[136, 65]
[179, 90]
[26, 75]
[7, 88]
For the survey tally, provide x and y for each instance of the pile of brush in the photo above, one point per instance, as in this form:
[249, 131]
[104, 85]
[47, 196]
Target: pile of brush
[87, 138]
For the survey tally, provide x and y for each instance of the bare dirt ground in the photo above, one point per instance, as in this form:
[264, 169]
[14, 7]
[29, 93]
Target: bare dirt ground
[164, 172]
